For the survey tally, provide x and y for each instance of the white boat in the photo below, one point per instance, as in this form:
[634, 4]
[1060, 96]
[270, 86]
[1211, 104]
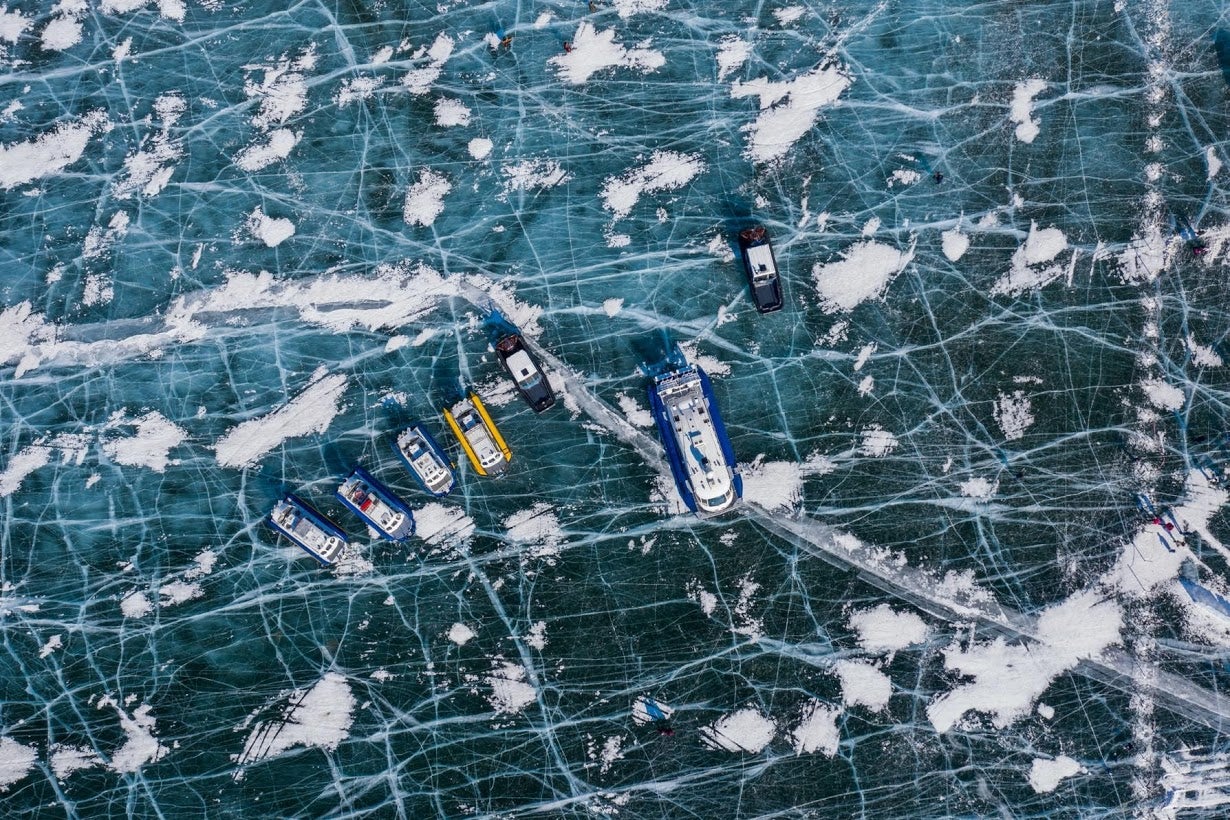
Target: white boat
[308, 529]
[426, 460]
[377, 505]
[697, 446]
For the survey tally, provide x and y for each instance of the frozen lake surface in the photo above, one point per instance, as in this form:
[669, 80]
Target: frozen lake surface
[982, 567]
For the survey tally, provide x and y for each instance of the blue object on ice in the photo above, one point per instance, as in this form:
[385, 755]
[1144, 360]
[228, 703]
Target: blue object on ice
[654, 710]
[1205, 596]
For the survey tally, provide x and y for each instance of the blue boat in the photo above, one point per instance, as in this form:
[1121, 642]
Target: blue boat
[376, 505]
[426, 460]
[697, 446]
[308, 529]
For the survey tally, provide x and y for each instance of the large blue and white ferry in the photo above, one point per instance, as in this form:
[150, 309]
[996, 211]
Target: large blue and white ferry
[699, 451]
[426, 460]
[308, 529]
[376, 505]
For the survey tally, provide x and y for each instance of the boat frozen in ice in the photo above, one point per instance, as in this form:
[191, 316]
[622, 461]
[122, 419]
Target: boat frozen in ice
[377, 505]
[421, 452]
[701, 457]
[761, 268]
[478, 435]
[308, 529]
[531, 382]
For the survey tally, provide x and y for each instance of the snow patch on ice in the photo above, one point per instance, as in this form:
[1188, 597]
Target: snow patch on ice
[747, 730]
[273, 231]
[1046, 775]
[1007, 679]
[49, 153]
[877, 442]
[1021, 110]
[151, 444]
[1162, 395]
[1041, 246]
[480, 147]
[419, 80]
[665, 171]
[451, 112]
[883, 629]
[956, 244]
[311, 411]
[862, 683]
[864, 272]
[425, 198]
[509, 691]
[1014, 414]
[733, 52]
[320, 717]
[637, 416]
[16, 761]
[593, 51]
[460, 634]
[817, 730]
[140, 746]
[788, 109]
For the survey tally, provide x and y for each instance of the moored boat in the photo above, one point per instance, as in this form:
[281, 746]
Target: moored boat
[760, 266]
[526, 373]
[377, 505]
[697, 446]
[478, 435]
[426, 460]
[311, 531]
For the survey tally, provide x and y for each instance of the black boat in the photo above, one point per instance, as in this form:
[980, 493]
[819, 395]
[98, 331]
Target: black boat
[761, 268]
[531, 382]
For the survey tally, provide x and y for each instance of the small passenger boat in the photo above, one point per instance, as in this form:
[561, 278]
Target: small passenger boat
[531, 382]
[426, 460]
[697, 446]
[478, 435]
[761, 268]
[377, 505]
[308, 529]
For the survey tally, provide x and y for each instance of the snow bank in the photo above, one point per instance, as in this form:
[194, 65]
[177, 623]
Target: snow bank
[1007, 679]
[311, 411]
[864, 272]
[666, 170]
[884, 629]
[593, 51]
[747, 730]
[788, 109]
[320, 717]
[45, 155]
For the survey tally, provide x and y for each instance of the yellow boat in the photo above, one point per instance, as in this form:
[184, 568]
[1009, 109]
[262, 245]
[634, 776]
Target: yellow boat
[478, 435]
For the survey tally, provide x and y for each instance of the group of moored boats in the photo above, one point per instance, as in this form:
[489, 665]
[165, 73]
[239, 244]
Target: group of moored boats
[681, 400]
[381, 508]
